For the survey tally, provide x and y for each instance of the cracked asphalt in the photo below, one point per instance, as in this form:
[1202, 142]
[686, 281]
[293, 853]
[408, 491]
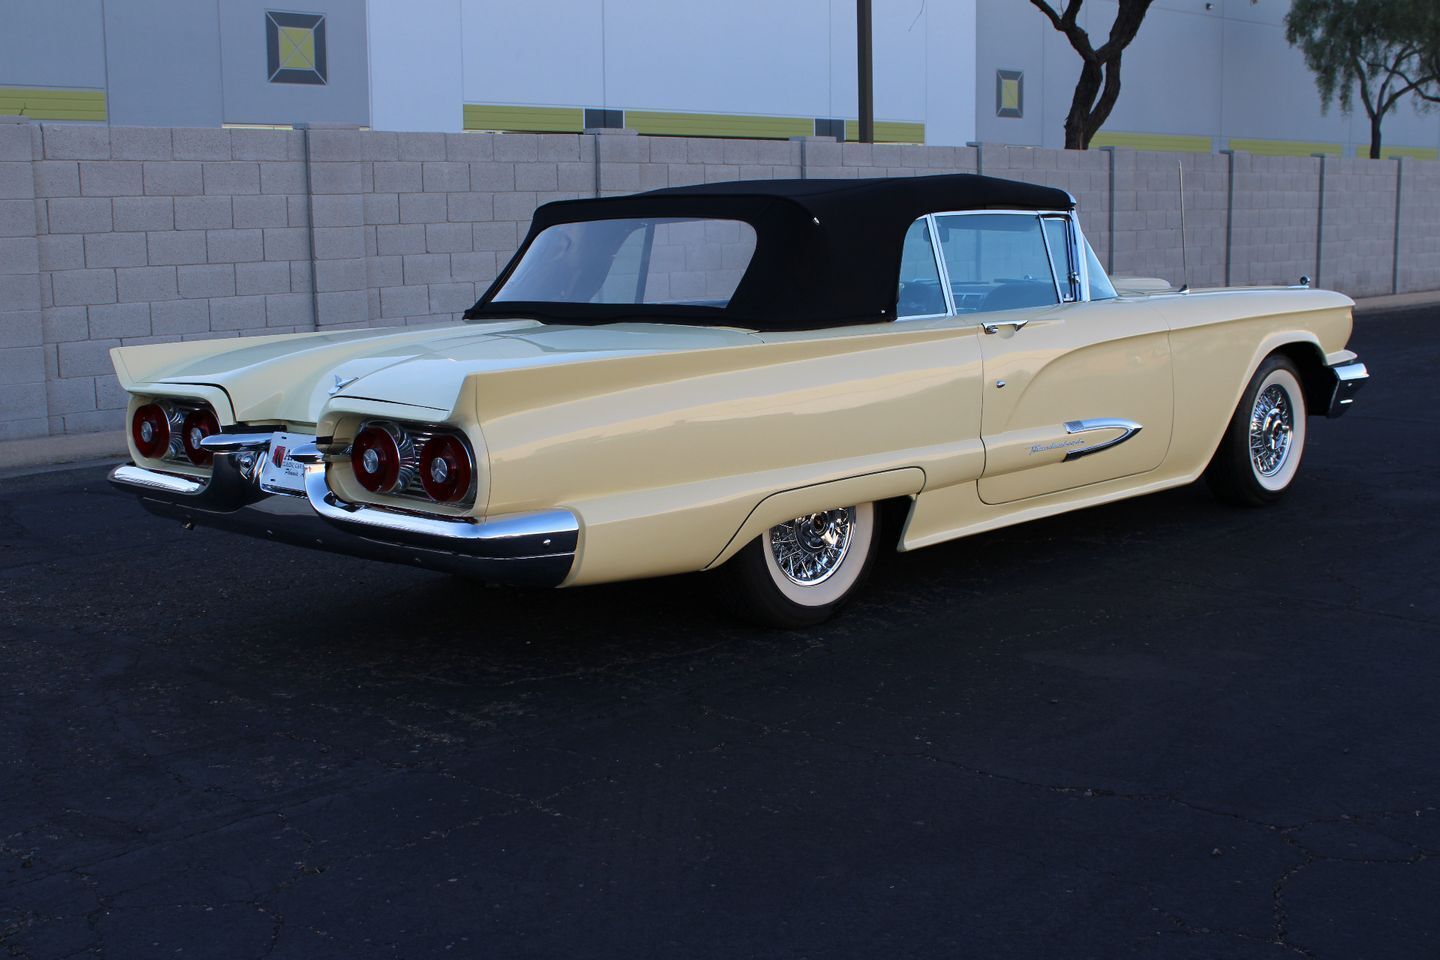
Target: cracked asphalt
[1163, 728]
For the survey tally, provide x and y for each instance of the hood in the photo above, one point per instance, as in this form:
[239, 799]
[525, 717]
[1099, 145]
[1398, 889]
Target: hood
[292, 377]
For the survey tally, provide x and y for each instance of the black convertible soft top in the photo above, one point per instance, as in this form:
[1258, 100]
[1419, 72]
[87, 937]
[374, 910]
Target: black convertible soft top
[827, 252]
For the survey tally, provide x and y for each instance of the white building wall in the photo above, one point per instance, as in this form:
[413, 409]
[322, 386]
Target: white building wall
[416, 58]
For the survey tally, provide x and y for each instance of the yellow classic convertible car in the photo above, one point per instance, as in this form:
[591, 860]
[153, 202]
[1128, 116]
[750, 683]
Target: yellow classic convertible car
[751, 377]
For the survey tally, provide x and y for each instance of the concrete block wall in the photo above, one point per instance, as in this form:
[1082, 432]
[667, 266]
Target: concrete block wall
[113, 235]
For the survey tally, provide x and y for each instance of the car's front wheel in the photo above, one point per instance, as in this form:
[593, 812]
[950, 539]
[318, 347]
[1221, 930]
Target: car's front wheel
[798, 573]
[1260, 454]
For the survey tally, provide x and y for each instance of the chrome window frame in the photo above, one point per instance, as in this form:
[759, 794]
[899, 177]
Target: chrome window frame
[939, 272]
[1076, 239]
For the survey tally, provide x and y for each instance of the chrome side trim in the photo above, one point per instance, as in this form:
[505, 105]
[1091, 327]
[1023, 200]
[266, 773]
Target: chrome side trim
[993, 326]
[235, 442]
[1349, 378]
[1130, 428]
[143, 479]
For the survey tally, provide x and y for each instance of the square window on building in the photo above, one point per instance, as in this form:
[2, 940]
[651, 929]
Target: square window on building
[599, 119]
[830, 127]
[1009, 93]
[295, 47]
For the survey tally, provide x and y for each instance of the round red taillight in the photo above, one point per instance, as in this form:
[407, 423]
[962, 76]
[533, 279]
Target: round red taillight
[445, 468]
[198, 425]
[150, 429]
[375, 458]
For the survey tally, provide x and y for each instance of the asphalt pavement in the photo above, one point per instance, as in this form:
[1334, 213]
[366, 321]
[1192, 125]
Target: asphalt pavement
[1163, 728]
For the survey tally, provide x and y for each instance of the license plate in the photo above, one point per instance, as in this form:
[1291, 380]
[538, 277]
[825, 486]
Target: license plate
[281, 472]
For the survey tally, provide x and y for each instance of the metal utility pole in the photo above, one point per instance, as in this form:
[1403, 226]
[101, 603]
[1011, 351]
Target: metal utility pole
[866, 71]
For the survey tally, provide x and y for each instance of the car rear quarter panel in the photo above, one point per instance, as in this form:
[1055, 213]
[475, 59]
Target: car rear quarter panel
[665, 457]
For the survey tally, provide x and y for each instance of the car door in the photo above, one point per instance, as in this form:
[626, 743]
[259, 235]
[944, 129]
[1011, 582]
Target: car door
[1076, 390]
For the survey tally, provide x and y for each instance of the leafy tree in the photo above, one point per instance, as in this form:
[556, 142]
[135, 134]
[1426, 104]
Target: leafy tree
[1099, 84]
[1388, 50]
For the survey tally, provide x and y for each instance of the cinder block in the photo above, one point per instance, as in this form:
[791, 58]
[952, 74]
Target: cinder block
[625, 177]
[172, 178]
[75, 142]
[86, 358]
[335, 178]
[146, 284]
[20, 292]
[282, 178]
[66, 324]
[288, 310]
[422, 208]
[140, 143]
[380, 145]
[492, 177]
[144, 213]
[57, 178]
[69, 215]
[333, 275]
[339, 243]
[170, 247]
[262, 144]
[83, 287]
[337, 145]
[349, 306]
[469, 207]
[115, 320]
[237, 313]
[201, 143]
[451, 297]
[177, 317]
[427, 268]
[382, 208]
[421, 146]
[263, 211]
[22, 328]
[17, 181]
[578, 176]
[234, 246]
[115, 250]
[298, 210]
[202, 213]
[226, 178]
[342, 210]
[447, 237]
[478, 267]
[24, 364]
[404, 301]
[74, 395]
[400, 239]
[19, 256]
[467, 147]
[514, 206]
[445, 176]
[398, 177]
[498, 235]
[538, 176]
[384, 272]
[24, 410]
[109, 395]
[207, 280]
[264, 277]
[17, 142]
[111, 178]
[287, 243]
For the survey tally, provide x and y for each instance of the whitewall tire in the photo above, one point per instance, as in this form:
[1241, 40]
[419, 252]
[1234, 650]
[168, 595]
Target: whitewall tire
[801, 571]
[1265, 440]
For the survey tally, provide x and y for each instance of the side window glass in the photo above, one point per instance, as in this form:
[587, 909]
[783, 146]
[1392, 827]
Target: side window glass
[920, 294]
[1100, 286]
[1057, 233]
[996, 261]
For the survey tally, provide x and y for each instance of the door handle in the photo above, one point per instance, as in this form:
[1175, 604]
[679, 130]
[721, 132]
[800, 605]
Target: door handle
[994, 325]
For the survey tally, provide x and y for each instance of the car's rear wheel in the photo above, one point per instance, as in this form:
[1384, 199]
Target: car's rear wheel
[798, 573]
[1260, 453]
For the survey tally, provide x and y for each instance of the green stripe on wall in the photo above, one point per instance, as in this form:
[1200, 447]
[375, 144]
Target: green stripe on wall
[718, 125]
[1163, 142]
[888, 131]
[52, 103]
[480, 116]
[1284, 148]
[1409, 153]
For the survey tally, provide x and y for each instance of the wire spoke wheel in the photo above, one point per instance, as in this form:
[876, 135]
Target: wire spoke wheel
[1272, 426]
[809, 549]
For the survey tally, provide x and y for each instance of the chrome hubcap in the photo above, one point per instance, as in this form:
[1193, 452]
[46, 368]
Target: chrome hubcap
[1272, 426]
[809, 549]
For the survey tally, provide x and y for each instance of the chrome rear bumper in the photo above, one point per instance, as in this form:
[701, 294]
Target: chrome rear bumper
[535, 549]
[1349, 378]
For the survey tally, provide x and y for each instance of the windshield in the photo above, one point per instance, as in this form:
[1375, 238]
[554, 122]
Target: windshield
[674, 260]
